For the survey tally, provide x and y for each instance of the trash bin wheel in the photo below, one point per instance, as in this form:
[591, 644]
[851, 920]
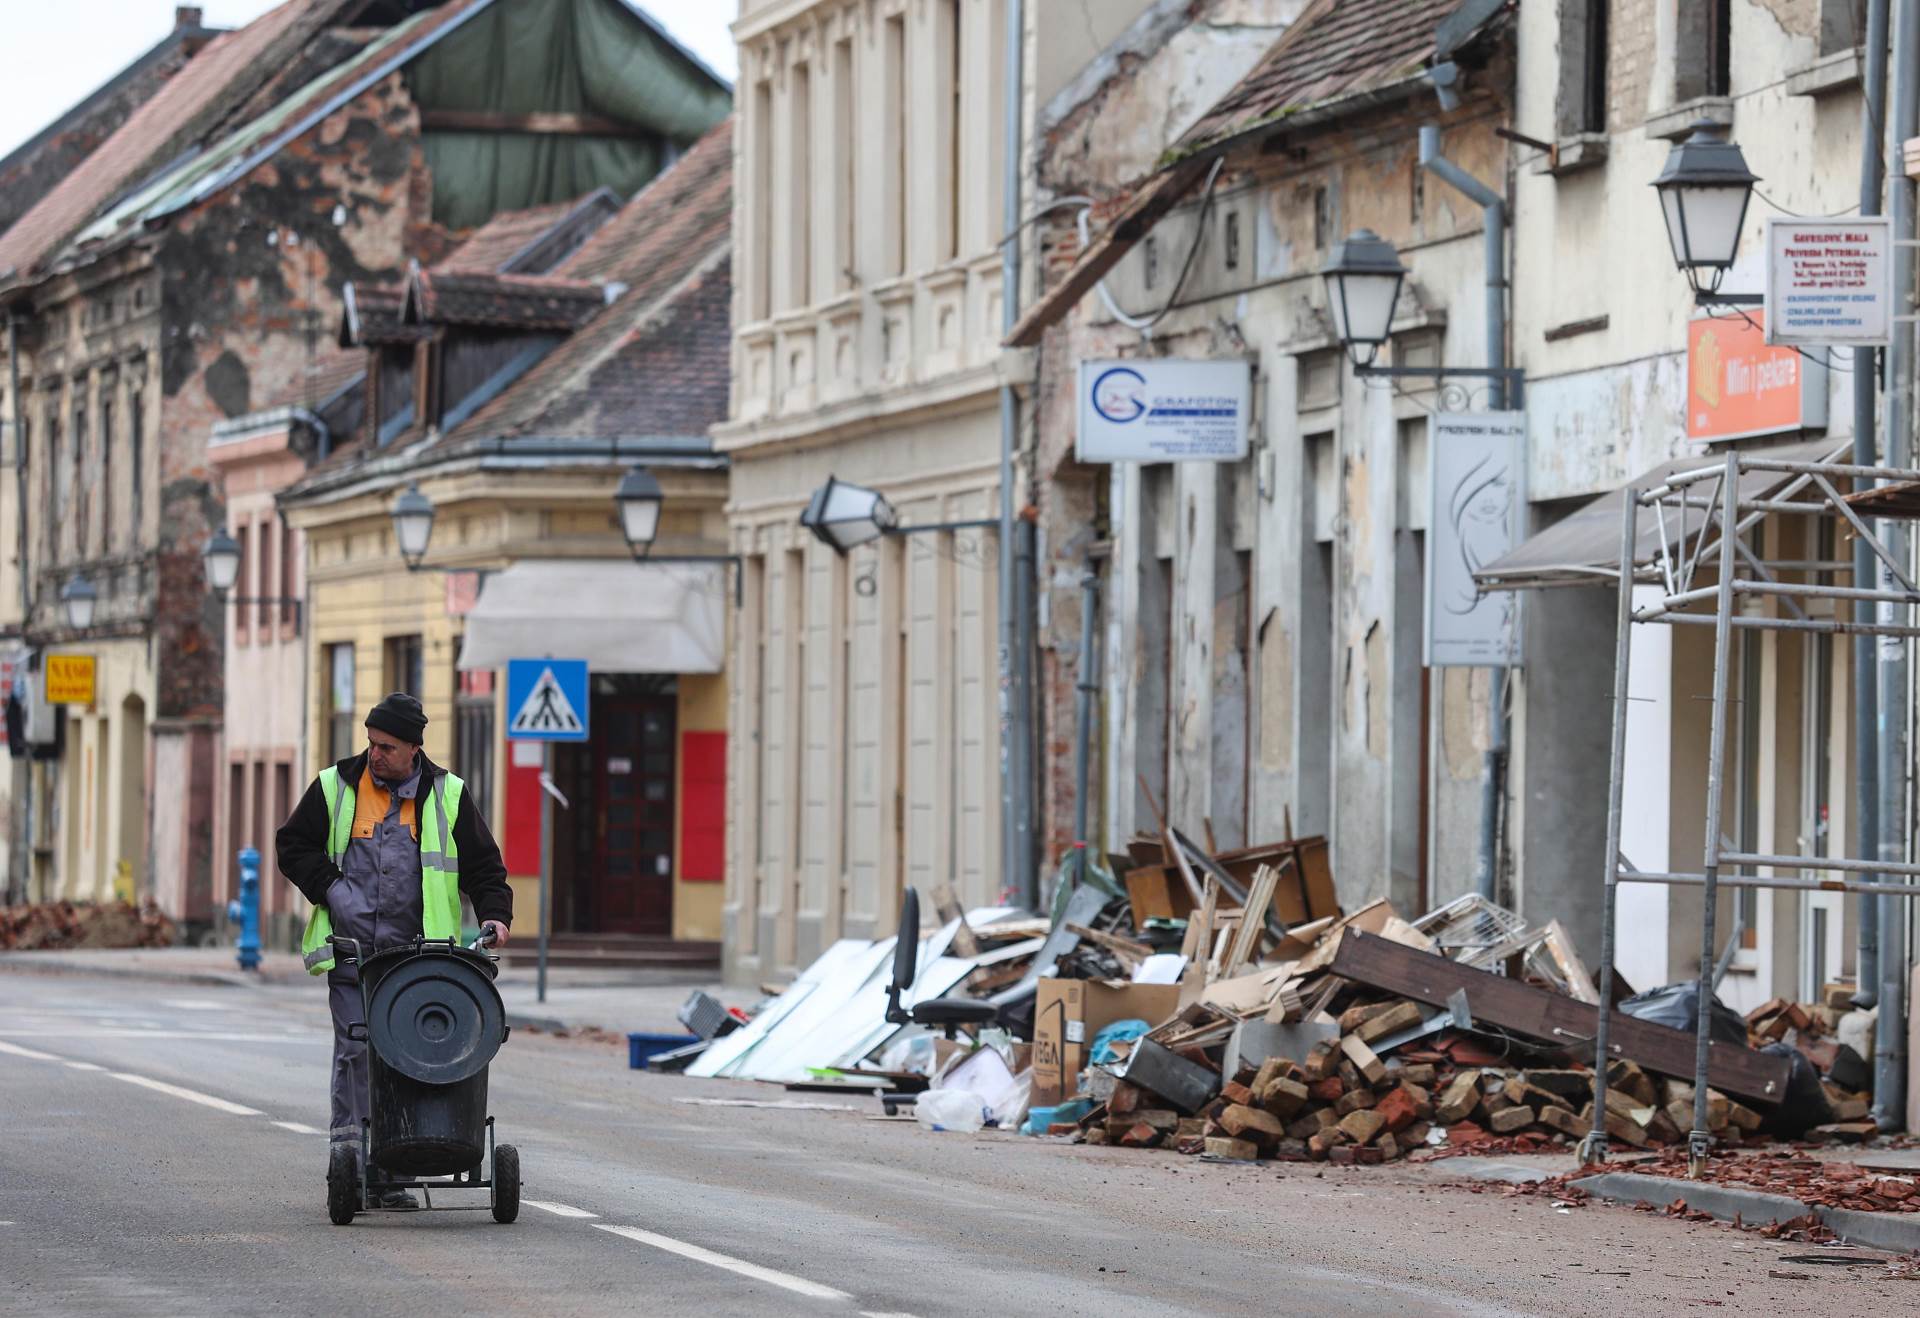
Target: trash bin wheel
[343, 1184]
[506, 1183]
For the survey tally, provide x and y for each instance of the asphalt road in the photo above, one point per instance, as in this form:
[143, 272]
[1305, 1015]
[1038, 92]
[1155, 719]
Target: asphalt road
[160, 1153]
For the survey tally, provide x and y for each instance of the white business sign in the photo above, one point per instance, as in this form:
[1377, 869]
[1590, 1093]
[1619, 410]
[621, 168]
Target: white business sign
[1476, 465]
[1164, 409]
[1830, 281]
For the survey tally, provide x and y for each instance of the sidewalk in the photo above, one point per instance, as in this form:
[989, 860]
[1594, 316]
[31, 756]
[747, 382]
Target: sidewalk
[622, 1001]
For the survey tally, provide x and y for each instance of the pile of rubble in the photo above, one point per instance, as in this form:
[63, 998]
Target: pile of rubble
[1221, 1004]
[57, 925]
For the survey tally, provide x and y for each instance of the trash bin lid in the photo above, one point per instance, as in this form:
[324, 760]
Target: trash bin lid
[436, 1017]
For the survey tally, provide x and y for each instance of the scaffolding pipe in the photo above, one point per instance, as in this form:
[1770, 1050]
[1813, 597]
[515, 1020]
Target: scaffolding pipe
[1890, 1033]
[1700, 1138]
[1756, 881]
[1594, 1147]
[1866, 703]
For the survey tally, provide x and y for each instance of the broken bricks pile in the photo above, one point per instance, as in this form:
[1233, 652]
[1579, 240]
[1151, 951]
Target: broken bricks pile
[1845, 1078]
[49, 926]
[1344, 1103]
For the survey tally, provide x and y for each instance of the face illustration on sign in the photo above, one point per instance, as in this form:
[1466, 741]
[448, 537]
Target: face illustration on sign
[1120, 395]
[1480, 507]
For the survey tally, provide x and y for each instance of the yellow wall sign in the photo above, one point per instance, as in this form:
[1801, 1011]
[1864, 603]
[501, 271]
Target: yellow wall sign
[69, 679]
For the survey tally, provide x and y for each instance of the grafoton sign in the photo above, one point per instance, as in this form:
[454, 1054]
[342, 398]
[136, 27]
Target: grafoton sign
[1739, 385]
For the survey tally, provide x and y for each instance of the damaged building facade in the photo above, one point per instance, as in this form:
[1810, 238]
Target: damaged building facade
[1261, 648]
[188, 272]
[1627, 377]
[1261, 621]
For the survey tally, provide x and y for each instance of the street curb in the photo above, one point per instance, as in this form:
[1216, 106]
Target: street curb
[19, 963]
[1899, 1232]
[548, 1023]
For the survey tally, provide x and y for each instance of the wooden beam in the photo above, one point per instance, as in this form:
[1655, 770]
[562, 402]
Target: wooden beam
[1541, 1014]
[547, 124]
[1160, 195]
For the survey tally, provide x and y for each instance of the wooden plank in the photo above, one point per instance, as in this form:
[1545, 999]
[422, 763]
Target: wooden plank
[1125, 948]
[1246, 937]
[1541, 1014]
[947, 907]
[1572, 968]
[537, 125]
[1160, 195]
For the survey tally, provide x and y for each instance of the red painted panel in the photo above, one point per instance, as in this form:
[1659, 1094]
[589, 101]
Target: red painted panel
[520, 848]
[703, 806]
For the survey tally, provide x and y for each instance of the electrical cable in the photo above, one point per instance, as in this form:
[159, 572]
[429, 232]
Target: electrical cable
[1143, 324]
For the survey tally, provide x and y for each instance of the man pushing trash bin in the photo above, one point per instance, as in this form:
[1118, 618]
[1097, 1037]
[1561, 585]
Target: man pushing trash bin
[383, 848]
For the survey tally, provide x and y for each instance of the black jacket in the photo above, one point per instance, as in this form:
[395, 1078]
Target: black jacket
[301, 845]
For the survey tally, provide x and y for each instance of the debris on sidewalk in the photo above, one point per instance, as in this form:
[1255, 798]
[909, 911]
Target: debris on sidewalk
[57, 926]
[1223, 1005]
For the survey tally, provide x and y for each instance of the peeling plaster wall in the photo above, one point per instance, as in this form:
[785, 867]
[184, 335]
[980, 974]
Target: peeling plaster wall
[1606, 399]
[1302, 699]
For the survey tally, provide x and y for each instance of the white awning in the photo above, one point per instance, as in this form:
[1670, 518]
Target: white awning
[621, 617]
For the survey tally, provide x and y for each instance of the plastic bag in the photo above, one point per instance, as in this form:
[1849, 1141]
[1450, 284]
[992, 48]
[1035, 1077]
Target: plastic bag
[1804, 1104]
[951, 1109]
[1678, 1006]
[1119, 1032]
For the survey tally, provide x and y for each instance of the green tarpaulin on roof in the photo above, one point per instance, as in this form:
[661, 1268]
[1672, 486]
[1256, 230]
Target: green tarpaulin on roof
[590, 57]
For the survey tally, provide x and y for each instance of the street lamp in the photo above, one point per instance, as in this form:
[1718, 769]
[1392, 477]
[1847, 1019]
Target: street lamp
[638, 500]
[412, 515]
[1704, 191]
[1363, 278]
[845, 515]
[79, 596]
[222, 559]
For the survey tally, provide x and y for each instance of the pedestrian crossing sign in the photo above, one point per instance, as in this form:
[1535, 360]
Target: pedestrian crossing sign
[548, 699]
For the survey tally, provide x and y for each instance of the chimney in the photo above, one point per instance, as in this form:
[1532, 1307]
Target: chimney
[187, 17]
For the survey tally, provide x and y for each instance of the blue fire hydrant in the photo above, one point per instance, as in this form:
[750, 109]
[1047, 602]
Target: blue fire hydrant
[246, 910]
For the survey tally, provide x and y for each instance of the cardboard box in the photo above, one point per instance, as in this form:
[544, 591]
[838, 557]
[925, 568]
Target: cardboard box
[1068, 1013]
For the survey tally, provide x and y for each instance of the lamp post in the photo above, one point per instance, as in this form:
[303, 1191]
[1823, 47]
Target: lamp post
[845, 515]
[221, 559]
[639, 501]
[1363, 277]
[1704, 190]
[412, 515]
[79, 595]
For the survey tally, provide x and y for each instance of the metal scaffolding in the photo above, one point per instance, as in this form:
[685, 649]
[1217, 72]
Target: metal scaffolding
[1687, 519]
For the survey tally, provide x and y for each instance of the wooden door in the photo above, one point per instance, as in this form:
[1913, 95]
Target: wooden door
[634, 799]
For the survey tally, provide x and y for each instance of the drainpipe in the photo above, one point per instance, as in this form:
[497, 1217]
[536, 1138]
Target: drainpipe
[1087, 687]
[19, 848]
[1016, 624]
[1890, 1034]
[1493, 222]
[1866, 697]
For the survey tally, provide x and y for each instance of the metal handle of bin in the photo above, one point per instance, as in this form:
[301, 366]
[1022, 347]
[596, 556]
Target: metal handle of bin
[340, 943]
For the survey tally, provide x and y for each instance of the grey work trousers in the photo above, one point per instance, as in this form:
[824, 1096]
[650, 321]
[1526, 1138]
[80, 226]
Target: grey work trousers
[350, 1094]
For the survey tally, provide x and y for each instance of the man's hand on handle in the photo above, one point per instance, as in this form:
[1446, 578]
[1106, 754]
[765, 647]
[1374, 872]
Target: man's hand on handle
[498, 931]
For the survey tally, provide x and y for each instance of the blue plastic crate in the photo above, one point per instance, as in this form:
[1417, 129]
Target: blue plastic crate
[642, 1046]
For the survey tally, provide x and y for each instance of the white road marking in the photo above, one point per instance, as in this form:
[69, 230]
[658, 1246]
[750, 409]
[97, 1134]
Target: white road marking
[207, 1036]
[558, 1210]
[194, 1004]
[17, 1051]
[784, 1280]
[299, 1129]
[85, 1066]
[191, 1095]
[865, 1314]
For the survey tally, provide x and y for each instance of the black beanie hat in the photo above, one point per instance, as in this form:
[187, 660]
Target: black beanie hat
[400, 715]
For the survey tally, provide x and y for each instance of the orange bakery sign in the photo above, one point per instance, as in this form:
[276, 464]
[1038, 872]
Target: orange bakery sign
[1739, 385]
